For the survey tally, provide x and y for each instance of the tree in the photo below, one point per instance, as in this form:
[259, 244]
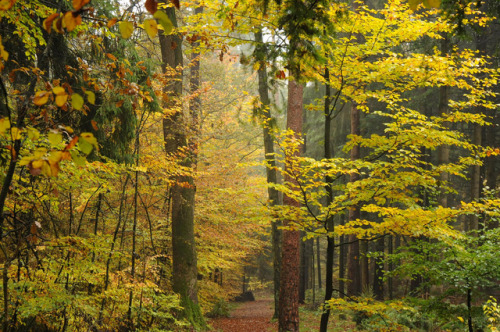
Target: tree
[185, 271]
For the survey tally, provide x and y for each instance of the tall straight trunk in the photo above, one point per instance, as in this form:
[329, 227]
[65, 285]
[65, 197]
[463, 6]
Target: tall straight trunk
[378, 274]
[289, 276]
[342, 261]
[444, 150]
[354, 287]
[303, 271]
[318, 262]
[390, 281]
[475, 181]
[271, 173]
[330, 246]
[184, 261]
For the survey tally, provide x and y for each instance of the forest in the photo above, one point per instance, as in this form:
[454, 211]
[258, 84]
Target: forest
[161, 158]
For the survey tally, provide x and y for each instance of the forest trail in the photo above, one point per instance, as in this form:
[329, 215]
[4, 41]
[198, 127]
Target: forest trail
[254, 316]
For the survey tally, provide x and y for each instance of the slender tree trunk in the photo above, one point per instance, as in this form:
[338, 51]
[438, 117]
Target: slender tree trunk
[378, 285]
[289, 276]
[475, 180]
[342, 261]
[390, 280]
[444, 150]
[354, 287]
[184, 261]
[330, 249]
[271, 173]
[318, 262]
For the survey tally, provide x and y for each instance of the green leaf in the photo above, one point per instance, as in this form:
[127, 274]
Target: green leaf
[55, 138]
[164, 21]
[126, 29]
[77, 101]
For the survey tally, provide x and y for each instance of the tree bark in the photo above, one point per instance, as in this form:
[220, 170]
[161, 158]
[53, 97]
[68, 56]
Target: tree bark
[378, 284]
[330, 246]
[353, 259]
[184, 260]
[289, 278]
[271, 173]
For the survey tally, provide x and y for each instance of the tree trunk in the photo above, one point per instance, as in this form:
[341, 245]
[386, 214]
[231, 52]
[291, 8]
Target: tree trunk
[289, 278]
[318, 262]
[184, 274]
[444, 150]
[475, 180]
[330, 249]
[378, 284]
[272, 176]
[353, 261]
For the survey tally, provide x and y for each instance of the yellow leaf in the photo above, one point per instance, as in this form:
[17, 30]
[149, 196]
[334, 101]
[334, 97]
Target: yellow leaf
[77, 101]
[414, 4]
[33, 134]
[55, 138]
[151, 28]
[461, 319]
[46, 169]
[39, 152]
[89, 137]
[37, 163]
[6, 4]
[41, 98]
[55, 156]
[54, 168]
[61, 96]
[165, 22]
[434, 3]
[126, 29]
[90, 97]
[16, 133]
[71, 21]
[4, 125]
[4, 55]
[49, 21]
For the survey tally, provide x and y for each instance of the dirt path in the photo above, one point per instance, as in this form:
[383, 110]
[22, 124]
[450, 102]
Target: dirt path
[252, 316]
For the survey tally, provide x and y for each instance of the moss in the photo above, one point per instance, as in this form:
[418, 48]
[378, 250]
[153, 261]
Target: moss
[192, 313]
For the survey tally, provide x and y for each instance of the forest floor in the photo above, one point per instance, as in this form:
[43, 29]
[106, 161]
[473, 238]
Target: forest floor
[256, 316]
[248, 317]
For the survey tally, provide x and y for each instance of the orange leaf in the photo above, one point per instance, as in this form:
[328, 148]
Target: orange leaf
[71, 21]
[47, 23]
[71, 144]
[6, 4]
[94, 125]
[78, 4]
[112, 22]
[151, 6]
[41, 98]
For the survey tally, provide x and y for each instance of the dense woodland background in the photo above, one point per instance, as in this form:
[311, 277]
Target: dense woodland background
[159, 158]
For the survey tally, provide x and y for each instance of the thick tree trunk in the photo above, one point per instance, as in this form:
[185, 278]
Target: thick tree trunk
[354, 287]
[272, 176]
[289, 278]
[184, 274]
